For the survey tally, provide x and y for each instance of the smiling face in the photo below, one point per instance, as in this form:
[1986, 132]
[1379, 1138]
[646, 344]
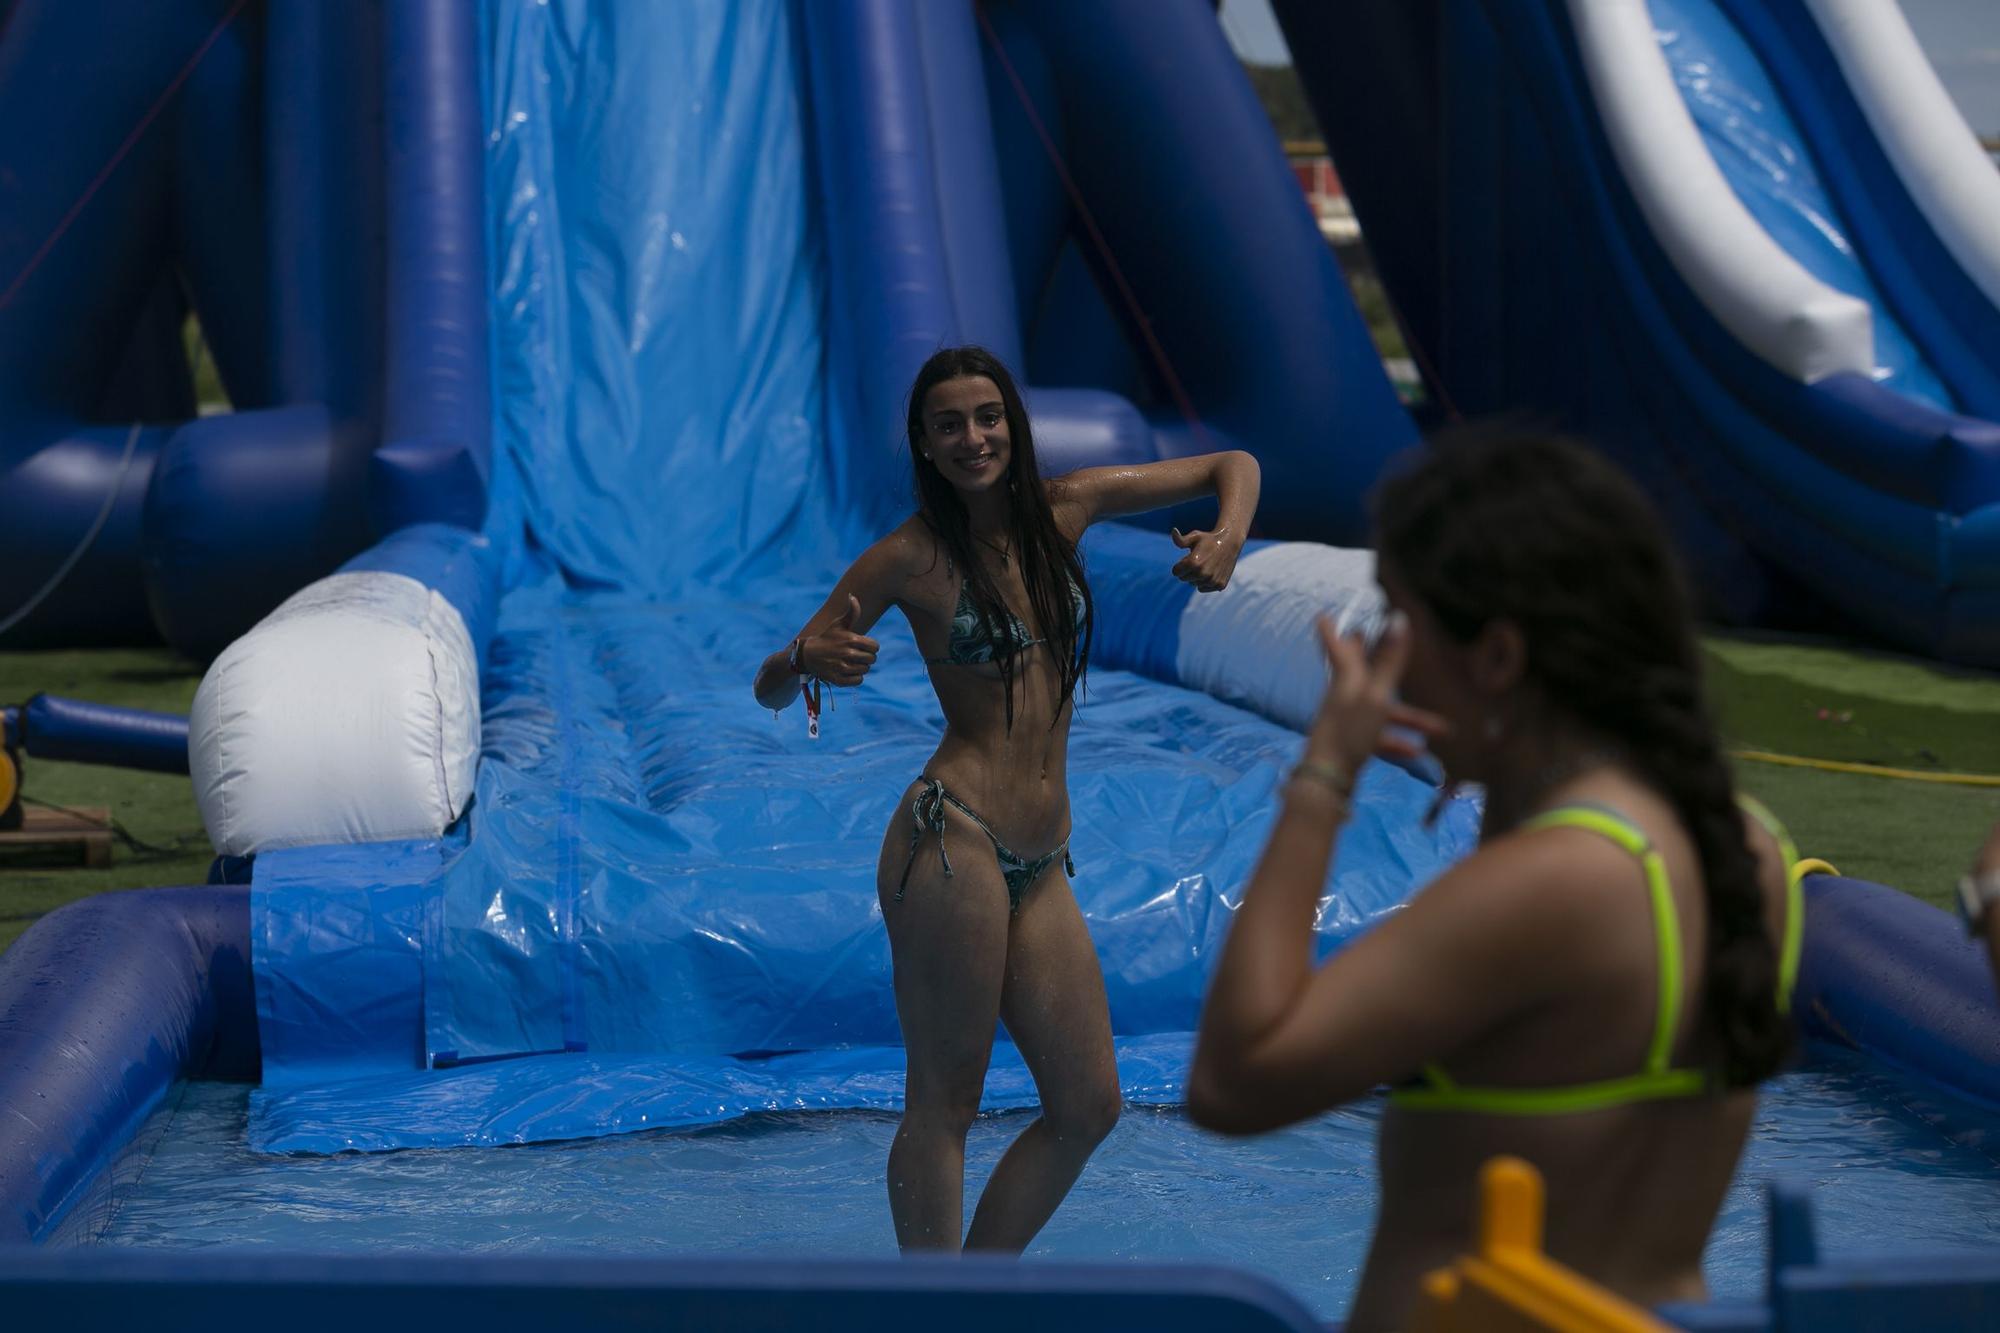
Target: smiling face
[965, 433]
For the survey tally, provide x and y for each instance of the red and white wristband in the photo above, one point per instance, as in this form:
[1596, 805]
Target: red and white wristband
[808, 687]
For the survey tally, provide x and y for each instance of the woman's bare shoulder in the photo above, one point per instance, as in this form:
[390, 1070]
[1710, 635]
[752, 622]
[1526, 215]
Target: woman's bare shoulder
[1069, 502]
[913, 547]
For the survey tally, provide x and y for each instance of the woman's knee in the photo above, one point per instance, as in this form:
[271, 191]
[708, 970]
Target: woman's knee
[948, 1108]
[1085, 1115]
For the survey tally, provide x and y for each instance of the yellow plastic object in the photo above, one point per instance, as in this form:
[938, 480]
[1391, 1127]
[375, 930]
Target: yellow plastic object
[1812, 865]
[1510, 1286]
[1869, 770]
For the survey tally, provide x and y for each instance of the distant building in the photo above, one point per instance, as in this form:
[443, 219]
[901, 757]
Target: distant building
[1314, 169]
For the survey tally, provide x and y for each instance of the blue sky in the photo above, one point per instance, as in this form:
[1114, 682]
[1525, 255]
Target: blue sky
[1962, 38]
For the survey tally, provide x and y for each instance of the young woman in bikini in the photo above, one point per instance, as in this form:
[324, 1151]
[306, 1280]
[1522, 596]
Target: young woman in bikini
[974, 864]
[1601, 985]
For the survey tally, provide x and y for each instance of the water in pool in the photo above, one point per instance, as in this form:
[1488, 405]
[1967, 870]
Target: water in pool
[1890, 1169]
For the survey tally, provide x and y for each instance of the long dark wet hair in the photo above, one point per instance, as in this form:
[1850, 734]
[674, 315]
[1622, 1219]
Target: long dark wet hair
[1545, 533]
[1049, 560]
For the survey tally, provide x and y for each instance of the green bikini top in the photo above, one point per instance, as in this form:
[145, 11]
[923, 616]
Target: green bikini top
[1657, 1080]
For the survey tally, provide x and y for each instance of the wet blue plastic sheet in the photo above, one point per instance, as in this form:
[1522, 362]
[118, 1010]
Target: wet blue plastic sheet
[657, 868]
[336, 939]
[1763, 156]
[658, 865]
[658, 290]
[579, 1095]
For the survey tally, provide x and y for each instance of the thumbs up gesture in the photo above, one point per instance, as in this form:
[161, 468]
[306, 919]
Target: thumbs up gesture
[838, 655]
[1210, 558]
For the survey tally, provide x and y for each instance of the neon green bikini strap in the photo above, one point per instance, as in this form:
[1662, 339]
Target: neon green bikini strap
[1658, 1080]
[1795, 899]
[1666, 926]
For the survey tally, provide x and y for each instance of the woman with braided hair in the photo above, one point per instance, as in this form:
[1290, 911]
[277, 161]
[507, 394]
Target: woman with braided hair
[1602, 984]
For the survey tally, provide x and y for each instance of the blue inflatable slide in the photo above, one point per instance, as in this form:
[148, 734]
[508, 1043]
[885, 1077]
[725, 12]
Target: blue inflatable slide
[566, 345]
[714, 241]
[1778, 233]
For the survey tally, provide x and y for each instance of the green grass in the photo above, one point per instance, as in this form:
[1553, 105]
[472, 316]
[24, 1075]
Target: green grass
[1770, 694]
[157, 809]
[1839, 703]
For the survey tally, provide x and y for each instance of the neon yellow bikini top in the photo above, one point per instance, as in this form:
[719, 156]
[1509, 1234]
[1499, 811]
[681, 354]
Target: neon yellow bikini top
[1657, 1080]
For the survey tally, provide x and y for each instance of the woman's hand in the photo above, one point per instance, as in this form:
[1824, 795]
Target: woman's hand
[837, 655]
[1360, 701]
[1210, 558]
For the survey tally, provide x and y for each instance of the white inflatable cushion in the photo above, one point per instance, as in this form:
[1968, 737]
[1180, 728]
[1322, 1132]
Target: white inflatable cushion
[1255, 643]
[349, 714]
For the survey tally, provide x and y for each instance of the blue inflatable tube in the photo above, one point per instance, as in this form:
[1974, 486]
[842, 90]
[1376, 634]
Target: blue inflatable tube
[461, 565]
[289, 470]
[434, 459]
[1203, 220]
[518, 1293]
[50, 727]
[75, 283]
[1899, 981]
[346, 138]
[1839, 503]
[104, 1004]
[389, 227]
[1252, 349]
[1951, 320]
[886, 272]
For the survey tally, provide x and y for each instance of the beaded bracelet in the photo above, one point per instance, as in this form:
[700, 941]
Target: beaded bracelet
[1333, 776]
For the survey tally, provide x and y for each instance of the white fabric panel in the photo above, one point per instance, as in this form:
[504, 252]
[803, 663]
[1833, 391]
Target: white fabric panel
[1762, 295]
[1920, 128]
[349, 714]
[1254, 643]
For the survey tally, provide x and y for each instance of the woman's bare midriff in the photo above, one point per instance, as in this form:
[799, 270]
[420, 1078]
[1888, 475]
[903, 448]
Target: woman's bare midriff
[1014, 777]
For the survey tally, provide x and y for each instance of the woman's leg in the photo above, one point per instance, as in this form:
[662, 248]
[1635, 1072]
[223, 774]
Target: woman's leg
[948, 941]
[1054, 1007]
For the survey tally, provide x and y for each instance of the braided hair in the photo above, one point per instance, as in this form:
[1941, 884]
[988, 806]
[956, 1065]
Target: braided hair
[1544, 533]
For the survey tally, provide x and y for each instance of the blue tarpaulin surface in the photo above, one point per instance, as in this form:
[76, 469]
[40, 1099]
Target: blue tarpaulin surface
[662, 896]
[658, 876]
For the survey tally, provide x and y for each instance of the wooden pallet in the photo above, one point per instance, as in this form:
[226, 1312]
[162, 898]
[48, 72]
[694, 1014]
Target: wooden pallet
[87, 829]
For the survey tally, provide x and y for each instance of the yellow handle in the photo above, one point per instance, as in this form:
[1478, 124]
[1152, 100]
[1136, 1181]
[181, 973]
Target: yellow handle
[1510, 1209]
[1510, 1284]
